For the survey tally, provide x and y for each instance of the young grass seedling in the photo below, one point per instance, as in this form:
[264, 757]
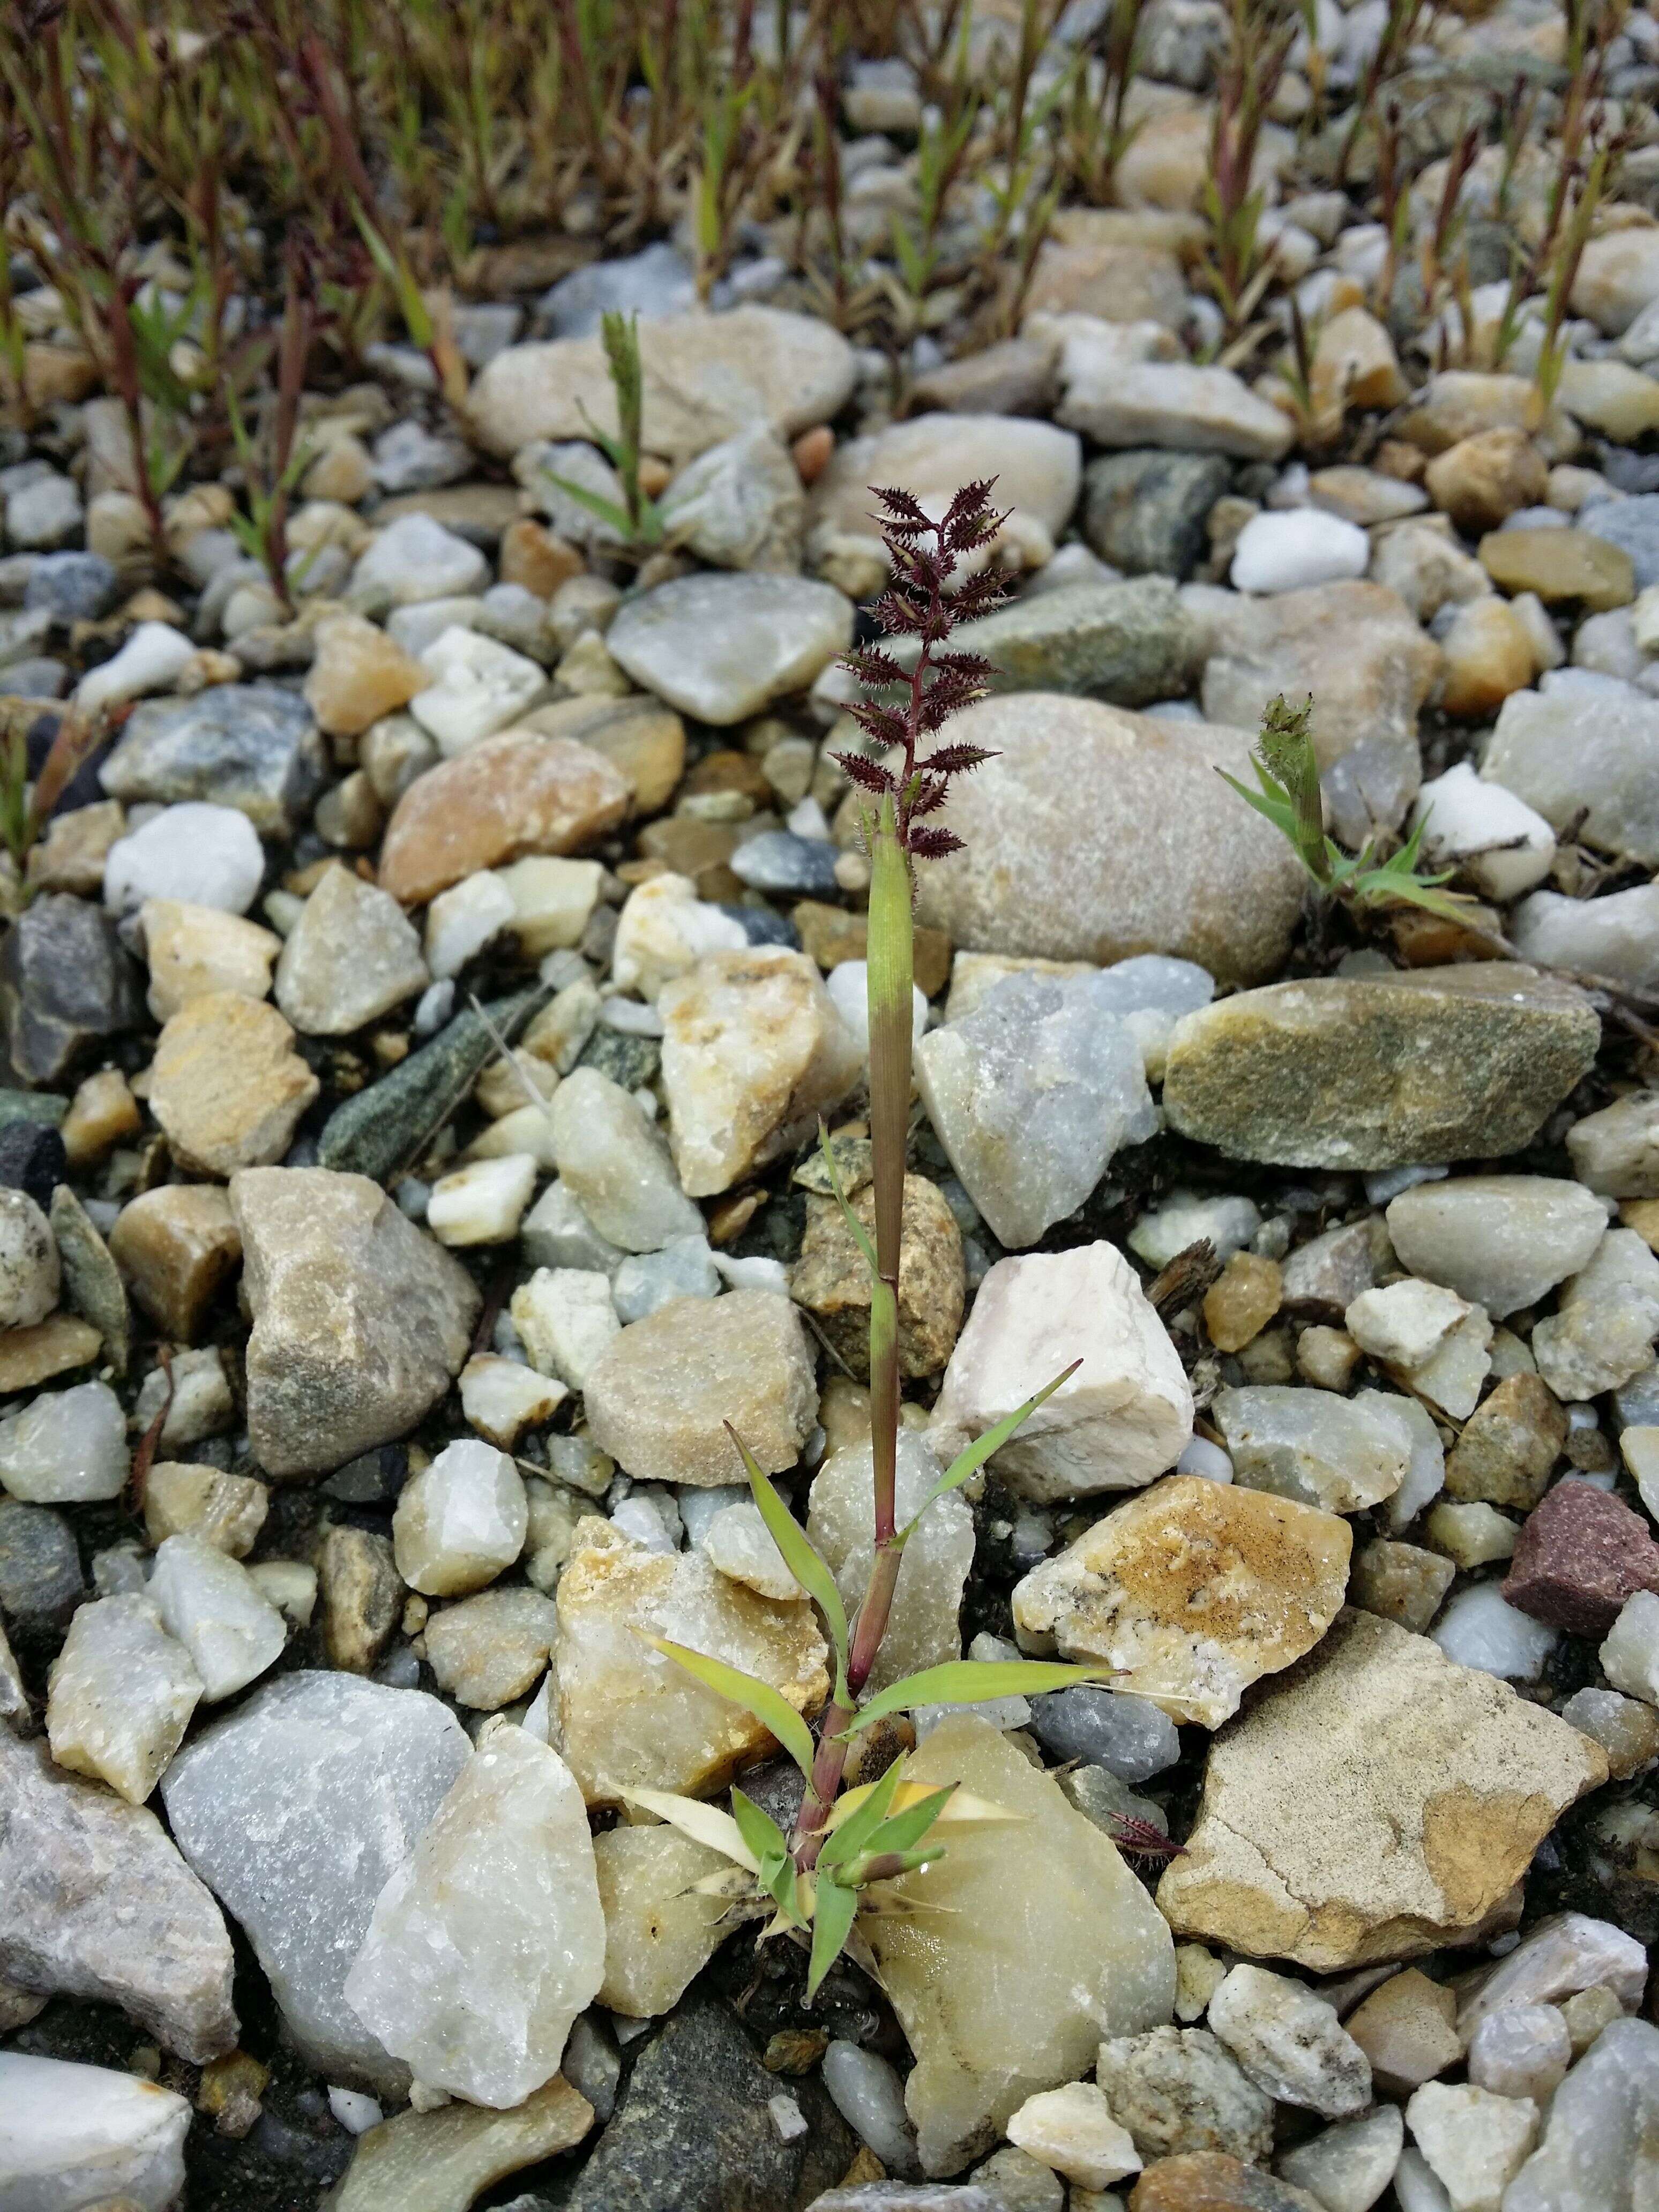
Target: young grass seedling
[843, 1842]
[637, 521]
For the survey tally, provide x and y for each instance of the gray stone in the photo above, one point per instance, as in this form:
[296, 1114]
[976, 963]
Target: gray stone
[1129, 1736]
[390, 1125]
[723, 646]
[352, 956]
[1094, 835]
[1178, 2091]
[1130, 643]
[360, 1320]
[1145, 512]
[72, 587]
[1370, 1072]
[93, 1286]
[1632, 524]
[296, 1810]
[658, 280]
[67, 985]
[1031, 1095]
[741, 505]
[1601, 2146]
[96, 1903]
[252, 746]
[1565, 752]
[694, 2131]
[40, 1578]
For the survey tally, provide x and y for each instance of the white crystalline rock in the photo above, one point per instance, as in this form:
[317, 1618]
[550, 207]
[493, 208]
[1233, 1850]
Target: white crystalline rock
[1031, 1095]
[616, 1166]
[295, 1810]
[122, 1693]
[213, 1605]
[1124, 1417]
[1072, 2130]
[659, 1929]
[1603, 1332]
[740, 1543]
[1616, 937]
[480, 687]
[553, 901]
[923, 1629]
[664, 930]
[1289, 550]
[556, 1233]
[66, 1447]
[461, 1522]
[1630, 1655]
[1184, 1218]
[489, 1939]
[415, 559]
[462, 921]
[1149, 991]
[482, 1204]
[1493, 837]
[1480, 1628]
[72, 2136]
[1342, 1453]
[1601, 2148]
[1474, 2141]
[149, 660]
[1500, 1241]
[566, 1319]
[1562, 1955]
[1291, 2043]
[1347, 2168]
[1451, 1377]
[502, 1398]
[1425, 1455]
[201, 855]
[1404, 1323]
[646, 1280]
[1522, 2051]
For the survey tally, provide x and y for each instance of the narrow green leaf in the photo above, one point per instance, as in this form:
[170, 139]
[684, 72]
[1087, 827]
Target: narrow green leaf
[758, 1829]
[903, 1831]
[767, 1704]
[973, 1455]
[799, 1557]
[1280, 813]
[860, 1235]
[967, 1681]
[846, 1841]
[596, 503]
[832, 1923]
[782, 1885]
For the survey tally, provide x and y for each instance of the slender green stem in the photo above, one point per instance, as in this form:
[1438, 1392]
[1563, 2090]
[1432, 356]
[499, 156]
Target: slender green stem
[888, 984]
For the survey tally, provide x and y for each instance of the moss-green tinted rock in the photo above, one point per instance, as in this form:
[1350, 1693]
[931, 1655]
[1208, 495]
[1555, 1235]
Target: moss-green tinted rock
[1444, 1064]
[1130, 643]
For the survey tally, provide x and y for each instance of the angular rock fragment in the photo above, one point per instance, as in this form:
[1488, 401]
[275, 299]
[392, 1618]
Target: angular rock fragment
[1180, 2090]
[831, 1277]
[226, 1085]
[76, 2134]
[1501, 1240]
[122, 1693]
[1339, 1453]
[440, 2160]
[659, 1930]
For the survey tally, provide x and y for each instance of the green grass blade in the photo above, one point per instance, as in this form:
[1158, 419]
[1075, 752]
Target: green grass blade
[596, 503]
[758, 1829]
[769, 1706]
[973, 1456]
[798, 1556]
[846, 1841]
[832, 1923]
[903, 1831]
[967, 1681]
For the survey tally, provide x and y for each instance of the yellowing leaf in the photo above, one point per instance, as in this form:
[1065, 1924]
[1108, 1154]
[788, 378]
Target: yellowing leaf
[705, 1824]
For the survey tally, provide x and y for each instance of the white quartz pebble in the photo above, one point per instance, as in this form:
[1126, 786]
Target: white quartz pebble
[216, 1609]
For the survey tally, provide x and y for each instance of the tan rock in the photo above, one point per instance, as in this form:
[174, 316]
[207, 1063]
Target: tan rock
[1402, 1581]
[1408, 2030]
[1561, 564]
[1216, 2181]
[226, 1085]
[831, 934]
[176, 1247]
[1192, 1590]
[1617, 276]
[1378, 1802]
[831, 1279]
[1354, 363]
[1459, 403]
[1121, 283]
[70, 855]
[511, 795]
[1242, 1300]
[491, 1648]
[1010, 1958]
[1483, 480]
[352, 956]
[641, 737]
[362, 1597]
[101, 1113]
[194, 950]
[1508, 1445]
[442, 2160]
[660, 1930]
[53, 1347]
[538, 558]
[754, 1052]
[659, 1395]
[627, 1716]
[184, 1498]
[1489, 653]
[358, 676]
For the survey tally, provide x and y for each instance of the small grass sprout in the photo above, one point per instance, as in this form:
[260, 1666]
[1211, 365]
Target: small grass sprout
[637, 521]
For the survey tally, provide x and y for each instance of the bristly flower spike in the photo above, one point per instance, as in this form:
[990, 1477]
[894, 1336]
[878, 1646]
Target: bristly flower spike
[924, 556]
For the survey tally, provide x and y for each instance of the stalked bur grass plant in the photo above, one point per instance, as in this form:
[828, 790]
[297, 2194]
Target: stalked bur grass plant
[845, 1841]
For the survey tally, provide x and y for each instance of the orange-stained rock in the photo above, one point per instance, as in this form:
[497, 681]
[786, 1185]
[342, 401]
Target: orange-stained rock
[514, 794]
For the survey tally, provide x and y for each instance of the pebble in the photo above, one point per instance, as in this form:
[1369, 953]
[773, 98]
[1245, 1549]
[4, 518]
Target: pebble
[67, 986]
[684, 1268]
[176, 1247]
[477, 689]
[1616, 1152]
[664, 930]
[1479, 1629]
[1116, 396]
[1123, 1417]
[71, 586]
[923, 1629]
[1190, 1592]
[358, 677]
[722, 648]
[1629, 525]
[489, 1941]
[1508, 1445]
[831, 1279]
[1475, 2142]
[413, 559]
[1404, 1323]
[1289, 2043]
[1067, 857]
[483, 1203]
[1287, 552]
[740, 505]
[1180, 2091]
[1347, 2168]
[1339, 1455]
[151, 660]
[509, 796]
[1602, 1330]
[1030, 1095]
[31, 1272]
[1037, 467]
[870, 2097]
[659, 1930]
[360, 1322]
[1597, 2138]
[1407, 2028]
[1581, 1554]
[66, 1447]
[192, 949]
[295, 1809]
[349, 959]
[252, 747]
[209, 1602]
[1306, 1074]
[1072, 2130]
[754, 1052]
[1616, 938]
[1609, 740]
[1127, 642]
[122, 1693]
[1486, 477]
[1524, 2050]
[77, 2132]
[1630, 1654]
[1145, 512]
[1184, 1218]
[1365, 1741]
[206, 856]
[440, 2160]
[34, 1158]
[226, 1085]
[566, 1321]
[461, 1521]
[1493, 839]
[1210, 2181]
[615, 1165]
